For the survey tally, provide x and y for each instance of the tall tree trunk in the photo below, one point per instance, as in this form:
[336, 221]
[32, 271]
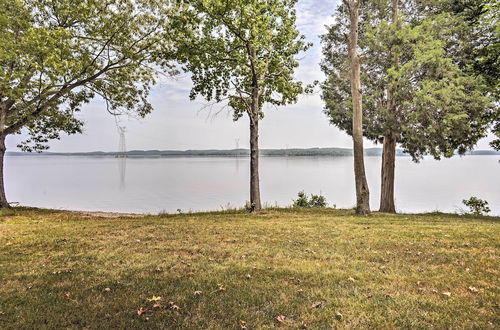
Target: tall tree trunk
[362, 191]
[253, 114]
[388, 165]
[3, 199]
[255, 204]
[389, 151]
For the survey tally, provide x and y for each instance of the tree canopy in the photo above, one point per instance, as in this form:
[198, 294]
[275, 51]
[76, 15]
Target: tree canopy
[241, 46]
[56, 55]
[439, 107]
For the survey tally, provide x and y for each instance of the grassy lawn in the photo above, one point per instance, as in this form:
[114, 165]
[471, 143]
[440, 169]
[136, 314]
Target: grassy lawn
[315, 269]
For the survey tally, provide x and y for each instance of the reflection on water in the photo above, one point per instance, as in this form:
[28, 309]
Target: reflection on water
[122, 167]
[152, 185]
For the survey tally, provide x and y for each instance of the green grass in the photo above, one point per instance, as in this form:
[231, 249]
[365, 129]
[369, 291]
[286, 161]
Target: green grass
[383, 271]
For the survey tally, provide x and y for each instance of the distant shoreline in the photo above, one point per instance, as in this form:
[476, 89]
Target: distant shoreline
[295, 152]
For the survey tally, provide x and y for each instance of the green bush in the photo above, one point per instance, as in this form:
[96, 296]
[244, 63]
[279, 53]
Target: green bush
[314, 201]
[476, 205]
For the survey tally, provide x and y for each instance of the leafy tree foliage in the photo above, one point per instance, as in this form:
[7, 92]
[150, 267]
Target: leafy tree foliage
[56, 55]
[243, 53]
[418, 87]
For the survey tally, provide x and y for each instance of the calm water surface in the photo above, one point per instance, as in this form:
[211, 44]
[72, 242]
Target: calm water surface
[167, 184]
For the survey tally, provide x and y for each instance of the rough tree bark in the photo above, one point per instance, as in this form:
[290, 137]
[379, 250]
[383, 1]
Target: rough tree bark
[388, 166]
[255, 204]
[3, 199]
[362, 191]
[389, 151]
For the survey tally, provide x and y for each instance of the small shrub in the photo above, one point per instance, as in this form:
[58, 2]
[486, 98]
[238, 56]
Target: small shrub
[317, 201]
[249, 207]
[476, 205]
[302, 201]
[314, 201]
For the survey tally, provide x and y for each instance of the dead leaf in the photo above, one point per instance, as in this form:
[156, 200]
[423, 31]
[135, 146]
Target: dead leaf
[368, 296]
[339, 316]
[446, 293]
[67, 295]
[249, 276]
[174, 306]
[387, 295]
[156, 305]
[304, 325]
[281, 318]
[222, 288]
[107, 290]
[473, 289]
[316, 304]
[351, 279]
[141, 311]
[154, 298]
[243, 324]
[198, 293]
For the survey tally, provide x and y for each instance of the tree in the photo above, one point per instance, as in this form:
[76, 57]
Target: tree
[56, 55]
[362, 191]
[416, 92]
[243, 53]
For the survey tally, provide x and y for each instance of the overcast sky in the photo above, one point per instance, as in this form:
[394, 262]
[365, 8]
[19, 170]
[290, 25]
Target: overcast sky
[178, 123]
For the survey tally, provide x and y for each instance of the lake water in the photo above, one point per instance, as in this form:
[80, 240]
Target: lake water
[150, 185]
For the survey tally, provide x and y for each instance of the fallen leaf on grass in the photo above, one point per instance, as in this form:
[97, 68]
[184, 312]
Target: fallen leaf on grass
[156, 305]
[473, 289]
[141, 311]
[154, 298]
[338, 316]
[351, 279]
[281, 318]
[316, 304]
[198, 293]
[387, 295]
[446, 293]
[370, 295]
[107, 290]
[69, 270]
[174, 306]
[222, 288]
[248, 276]
[304, 325]
[243, 324]
[67, 295]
